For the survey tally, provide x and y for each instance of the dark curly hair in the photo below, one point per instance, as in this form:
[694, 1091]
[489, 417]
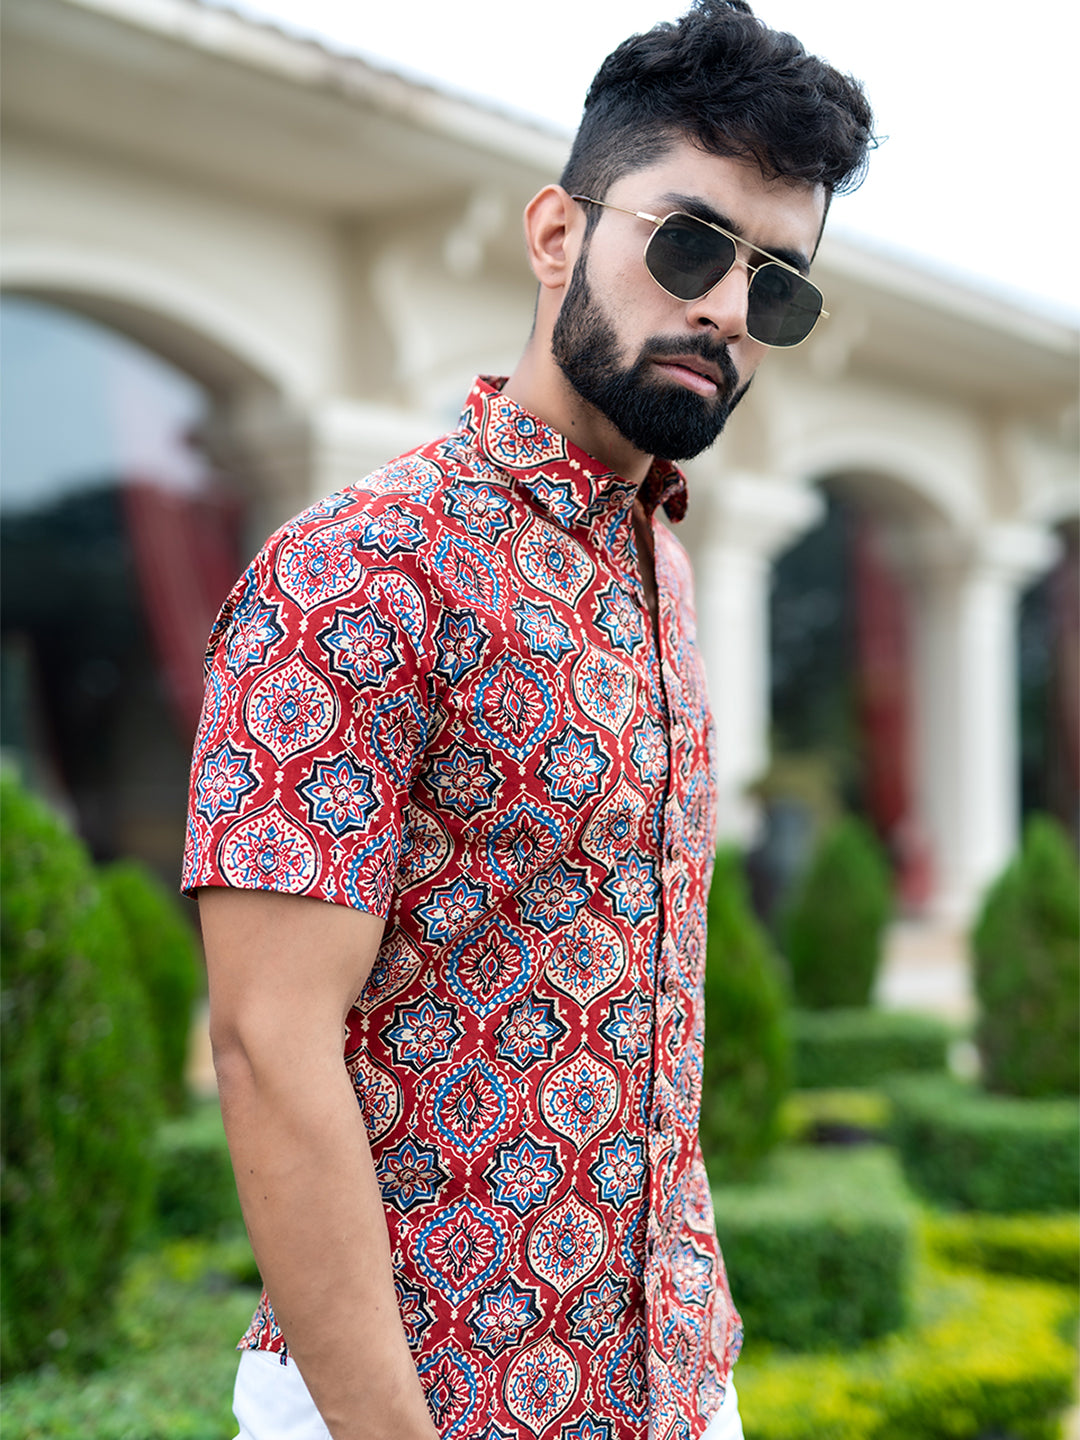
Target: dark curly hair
[722, 79]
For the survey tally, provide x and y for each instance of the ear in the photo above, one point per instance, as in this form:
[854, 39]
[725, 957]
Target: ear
[553, 229]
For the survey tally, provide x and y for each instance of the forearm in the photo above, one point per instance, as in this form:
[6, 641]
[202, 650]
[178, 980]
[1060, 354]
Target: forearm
[314, 1213]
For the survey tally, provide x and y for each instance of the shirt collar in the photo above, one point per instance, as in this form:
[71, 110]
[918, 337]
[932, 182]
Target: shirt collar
[562, 477]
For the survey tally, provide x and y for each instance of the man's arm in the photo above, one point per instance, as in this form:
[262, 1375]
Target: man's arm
[284, 971]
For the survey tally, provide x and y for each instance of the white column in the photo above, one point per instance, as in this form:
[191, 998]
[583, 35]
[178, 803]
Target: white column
[968, 775]
[740, 524]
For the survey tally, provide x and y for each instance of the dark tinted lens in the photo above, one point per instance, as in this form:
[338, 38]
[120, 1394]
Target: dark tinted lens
[782, 307]
[687, 257]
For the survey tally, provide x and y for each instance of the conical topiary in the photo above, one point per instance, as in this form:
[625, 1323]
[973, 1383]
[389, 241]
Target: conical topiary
[834, 926]
[747, 1047]
[78, 1093]
[1027, 969]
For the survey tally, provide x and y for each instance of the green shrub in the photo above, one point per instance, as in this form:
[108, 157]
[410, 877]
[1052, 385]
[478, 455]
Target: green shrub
[962, 1147]
[1027, 970]
[747, 1050]
[816, 1117]
[1041, 1247]
[167, 960]
[196, 1193]
[837, 1049]
[985, 1356]
[818, 1254]
[181, 1311]
[77, 1110]
[833, 928]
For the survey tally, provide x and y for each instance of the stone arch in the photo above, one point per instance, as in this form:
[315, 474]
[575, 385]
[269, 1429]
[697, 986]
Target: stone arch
[182, 323]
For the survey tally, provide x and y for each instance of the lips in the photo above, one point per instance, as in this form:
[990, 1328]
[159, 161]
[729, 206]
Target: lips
[692, 372]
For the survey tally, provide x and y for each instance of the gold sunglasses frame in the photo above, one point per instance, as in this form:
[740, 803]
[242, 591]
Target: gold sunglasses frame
[657, 220]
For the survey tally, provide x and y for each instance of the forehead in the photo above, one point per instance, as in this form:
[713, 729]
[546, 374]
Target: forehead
[775, 214]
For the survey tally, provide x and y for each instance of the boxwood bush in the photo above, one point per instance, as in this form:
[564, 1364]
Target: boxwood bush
[1027, 969]
[747, 1048]
[818, 1252]
[1042, 1247]
[984, 1356]
[77, 1093]
[837, 1049]
[963, 1147]
[196, 1193]
[833, 927]
[167, 962]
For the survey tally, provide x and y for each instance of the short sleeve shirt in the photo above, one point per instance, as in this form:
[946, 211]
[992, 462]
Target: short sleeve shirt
[438, 696]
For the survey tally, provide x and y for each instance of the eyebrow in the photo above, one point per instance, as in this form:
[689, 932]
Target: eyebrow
[702, 210]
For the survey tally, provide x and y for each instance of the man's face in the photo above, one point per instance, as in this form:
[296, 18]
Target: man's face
[665, 372]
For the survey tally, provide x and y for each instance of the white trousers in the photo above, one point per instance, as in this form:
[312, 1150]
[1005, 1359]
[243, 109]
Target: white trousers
[271, 1402]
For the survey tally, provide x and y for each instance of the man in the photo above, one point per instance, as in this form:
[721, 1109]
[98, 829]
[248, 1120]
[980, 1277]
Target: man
[461, 703]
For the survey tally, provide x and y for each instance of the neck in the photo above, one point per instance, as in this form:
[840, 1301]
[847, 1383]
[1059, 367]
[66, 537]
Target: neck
[539, 386]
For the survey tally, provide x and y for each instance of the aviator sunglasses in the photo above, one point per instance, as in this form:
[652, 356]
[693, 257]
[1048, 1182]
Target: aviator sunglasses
[688, 257]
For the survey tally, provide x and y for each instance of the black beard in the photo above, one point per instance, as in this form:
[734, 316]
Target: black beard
[656, 417]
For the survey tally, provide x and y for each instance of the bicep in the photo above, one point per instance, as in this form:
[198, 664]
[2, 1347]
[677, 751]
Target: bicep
[283, 969]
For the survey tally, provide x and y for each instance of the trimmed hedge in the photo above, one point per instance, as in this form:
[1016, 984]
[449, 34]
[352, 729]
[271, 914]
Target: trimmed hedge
[962, 1147]
[1027, 969]
[167, 962]
[833, 927]
[818, 1254]
[836, 1117]
[985, 1356]
[78, 1112]
[838, 1049]
[1041, 1247]
[196, 1193]
[747, 1048]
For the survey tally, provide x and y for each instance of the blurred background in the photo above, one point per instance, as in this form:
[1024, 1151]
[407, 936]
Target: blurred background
[244, 263]
[253, 250]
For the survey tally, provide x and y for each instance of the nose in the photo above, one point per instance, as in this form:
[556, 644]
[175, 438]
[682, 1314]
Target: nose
[724, 307]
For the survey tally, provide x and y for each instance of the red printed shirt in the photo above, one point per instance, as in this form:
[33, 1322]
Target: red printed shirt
[438, 696]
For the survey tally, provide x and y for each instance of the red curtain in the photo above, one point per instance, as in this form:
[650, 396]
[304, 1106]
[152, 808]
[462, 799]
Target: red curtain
[884, 678]
[187, 556]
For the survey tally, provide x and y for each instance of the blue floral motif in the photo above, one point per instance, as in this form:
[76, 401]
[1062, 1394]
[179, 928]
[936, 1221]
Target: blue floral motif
[361, 647]
[620, 620]
[413, 1308]
[650, 752]
[628, 1028]
[451, 909]
[523, 1174]
[410, 1174]
[481, 510]
[423, 1033]
[225, 778]
[619, 1171]
[546, 634]
[554, 897]
[597, 1313]
[253, 632]
[529, 1032]
[338, 795]
[501, 1317]
[632, 888]
[459, 644]
[574, 766]
[587, 1430]
[392, 530]
[464, 779]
